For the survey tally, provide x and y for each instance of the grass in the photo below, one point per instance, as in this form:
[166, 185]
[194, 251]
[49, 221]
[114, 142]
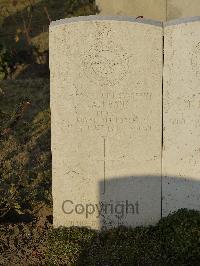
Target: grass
[12, 18]
[25, 151]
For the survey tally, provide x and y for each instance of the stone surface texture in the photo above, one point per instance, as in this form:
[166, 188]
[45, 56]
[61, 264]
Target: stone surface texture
[106, 105]
[181, 151]
[182, 8]
[161, 10]
[150, 9]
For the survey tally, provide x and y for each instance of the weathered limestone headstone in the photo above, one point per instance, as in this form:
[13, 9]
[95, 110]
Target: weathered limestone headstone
[150, 9]
[182, 8]
[181, 155]
[106, 104]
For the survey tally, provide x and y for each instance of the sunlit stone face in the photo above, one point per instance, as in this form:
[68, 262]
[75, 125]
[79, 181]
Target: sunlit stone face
[106, 105]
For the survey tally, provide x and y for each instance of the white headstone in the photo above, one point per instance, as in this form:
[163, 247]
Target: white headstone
[106, 104]
[181, 154]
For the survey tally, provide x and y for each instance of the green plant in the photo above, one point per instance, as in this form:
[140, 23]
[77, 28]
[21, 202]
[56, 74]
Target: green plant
[173, 241]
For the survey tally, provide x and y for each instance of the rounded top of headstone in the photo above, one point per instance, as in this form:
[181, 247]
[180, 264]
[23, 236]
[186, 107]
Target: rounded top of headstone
[105, 18]
[181, 21]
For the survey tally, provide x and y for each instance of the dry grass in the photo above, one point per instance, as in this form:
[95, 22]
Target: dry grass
[12, 18]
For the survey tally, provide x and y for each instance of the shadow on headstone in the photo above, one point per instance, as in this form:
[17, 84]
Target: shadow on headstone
[136, 200]
[130, 201]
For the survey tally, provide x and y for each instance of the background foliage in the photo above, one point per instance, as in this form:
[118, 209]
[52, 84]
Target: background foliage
[173, 241]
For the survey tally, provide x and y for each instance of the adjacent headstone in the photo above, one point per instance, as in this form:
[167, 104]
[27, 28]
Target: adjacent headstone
[182, 8]
[106, 104]
[150, 9]
[181, 154]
